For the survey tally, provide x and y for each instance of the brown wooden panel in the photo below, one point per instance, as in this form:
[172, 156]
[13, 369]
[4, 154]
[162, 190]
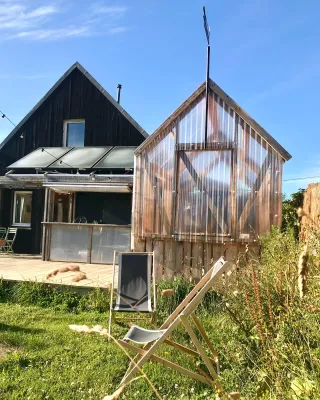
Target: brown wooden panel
[207, 253]
[179, 258]
[158, 246]
[169, 259]
[187, 260]
[197, 261]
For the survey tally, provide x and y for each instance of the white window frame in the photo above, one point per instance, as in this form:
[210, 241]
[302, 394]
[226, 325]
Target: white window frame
[27, 224]
[65, 128]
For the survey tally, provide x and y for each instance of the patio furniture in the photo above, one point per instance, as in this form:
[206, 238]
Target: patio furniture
[3, 232]
[152, 339]
[8, 241]
[135, 272]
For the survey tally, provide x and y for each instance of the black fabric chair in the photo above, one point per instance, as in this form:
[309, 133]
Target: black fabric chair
[135, 277]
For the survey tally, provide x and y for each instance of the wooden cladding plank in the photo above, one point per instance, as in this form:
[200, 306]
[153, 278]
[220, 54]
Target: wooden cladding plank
[232, 251]
[169, 259]
[187, 260]
[197, 261]
[207, 253]
[218, 250]
[179, 258]
[139, 244]
[158, 246]
[149, 245]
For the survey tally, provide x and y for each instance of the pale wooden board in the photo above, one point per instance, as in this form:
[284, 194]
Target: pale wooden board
[169, 259]
[32, 268]
[197, 261]
[158, 246]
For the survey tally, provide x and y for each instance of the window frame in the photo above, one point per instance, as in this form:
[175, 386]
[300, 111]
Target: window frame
[65, 129]
[20, 224]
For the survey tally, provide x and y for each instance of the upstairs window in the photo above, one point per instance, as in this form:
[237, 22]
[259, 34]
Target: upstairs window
[73, 133]
[22, 208]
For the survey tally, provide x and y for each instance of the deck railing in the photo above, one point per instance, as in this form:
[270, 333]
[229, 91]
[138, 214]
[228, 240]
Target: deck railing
[87, 243]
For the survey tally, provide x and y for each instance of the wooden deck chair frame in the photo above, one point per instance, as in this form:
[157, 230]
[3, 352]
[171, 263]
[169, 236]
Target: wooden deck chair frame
[3, 234]
[8, 243]
[112, 312]
[180, 316]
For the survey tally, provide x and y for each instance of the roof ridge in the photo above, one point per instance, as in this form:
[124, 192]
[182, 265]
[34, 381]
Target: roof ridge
[75, 65]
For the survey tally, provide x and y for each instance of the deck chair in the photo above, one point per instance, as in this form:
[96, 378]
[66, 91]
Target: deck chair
[153, 339]
[3, 232]
[9, 240]
[135, 272]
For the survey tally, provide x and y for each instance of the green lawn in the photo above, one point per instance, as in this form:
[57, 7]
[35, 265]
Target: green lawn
[42, 359]
[264, 329]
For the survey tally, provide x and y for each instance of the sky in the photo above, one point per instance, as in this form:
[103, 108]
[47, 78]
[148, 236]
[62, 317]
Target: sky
[265, 54]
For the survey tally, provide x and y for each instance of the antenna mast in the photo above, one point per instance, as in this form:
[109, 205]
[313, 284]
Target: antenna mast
[207, 31]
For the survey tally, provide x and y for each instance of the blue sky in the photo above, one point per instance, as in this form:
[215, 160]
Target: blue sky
[265, 55]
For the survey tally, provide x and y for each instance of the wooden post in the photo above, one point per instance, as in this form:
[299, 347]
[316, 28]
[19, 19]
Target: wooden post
[89, 244]
[44, 228]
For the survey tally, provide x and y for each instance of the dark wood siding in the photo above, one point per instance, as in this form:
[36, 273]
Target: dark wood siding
[76, 97]
[28, 240]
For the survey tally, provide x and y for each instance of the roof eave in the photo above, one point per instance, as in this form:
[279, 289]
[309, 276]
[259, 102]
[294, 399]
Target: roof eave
[243, 114]
[250, 121]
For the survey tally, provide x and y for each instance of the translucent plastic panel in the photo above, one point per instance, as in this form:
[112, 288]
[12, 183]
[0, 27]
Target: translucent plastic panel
[192, 122]
[155, 190]
[203, 206]
[69, 243]
[259, 180]
[221, 121]
[106, 240]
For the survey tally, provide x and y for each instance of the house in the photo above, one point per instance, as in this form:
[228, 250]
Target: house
[202, 193]
[69, 161]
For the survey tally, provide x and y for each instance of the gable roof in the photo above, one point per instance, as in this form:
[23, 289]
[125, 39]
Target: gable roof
[232, 104]
[78, 66]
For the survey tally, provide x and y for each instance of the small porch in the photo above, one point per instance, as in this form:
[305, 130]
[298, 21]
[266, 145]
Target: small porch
[26, 267]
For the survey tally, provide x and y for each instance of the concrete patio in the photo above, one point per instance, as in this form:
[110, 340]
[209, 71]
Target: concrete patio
[20, 267]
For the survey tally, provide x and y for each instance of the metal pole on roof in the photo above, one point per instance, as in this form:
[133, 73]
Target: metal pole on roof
[207, 31]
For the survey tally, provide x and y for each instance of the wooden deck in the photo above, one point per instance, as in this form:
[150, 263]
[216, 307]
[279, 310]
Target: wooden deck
[18, 267]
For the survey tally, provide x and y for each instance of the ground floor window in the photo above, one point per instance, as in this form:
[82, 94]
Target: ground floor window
[22, 204]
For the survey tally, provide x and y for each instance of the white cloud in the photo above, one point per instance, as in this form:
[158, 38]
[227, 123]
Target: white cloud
[34, 21]
[52, 34]
[17, 15]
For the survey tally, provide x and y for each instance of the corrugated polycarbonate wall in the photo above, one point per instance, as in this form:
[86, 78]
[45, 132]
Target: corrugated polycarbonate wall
[154, 187]
[227, 190]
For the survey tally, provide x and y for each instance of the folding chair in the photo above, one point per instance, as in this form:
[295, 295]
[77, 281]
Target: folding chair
[153, 339]
[9, 240]
[3, 232]
[135, 272]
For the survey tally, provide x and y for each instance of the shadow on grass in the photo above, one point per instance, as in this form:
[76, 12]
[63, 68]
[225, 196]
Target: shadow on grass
[16, 328]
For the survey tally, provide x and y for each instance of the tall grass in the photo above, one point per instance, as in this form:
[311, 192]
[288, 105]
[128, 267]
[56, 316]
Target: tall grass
[60, 298]
[277, 337]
